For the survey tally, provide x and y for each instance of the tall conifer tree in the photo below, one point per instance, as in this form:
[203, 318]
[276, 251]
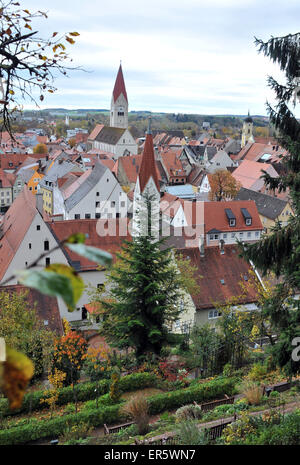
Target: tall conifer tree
[145, 292]
[280, 251]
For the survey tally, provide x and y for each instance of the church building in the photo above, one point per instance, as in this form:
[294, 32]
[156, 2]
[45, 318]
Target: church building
[116, 138]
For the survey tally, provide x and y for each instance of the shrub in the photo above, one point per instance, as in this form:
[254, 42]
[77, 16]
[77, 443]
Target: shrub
[257, 372]
[114, 390]
[52, 428]
[200, 393]
[137, 409]
[188, 434]
[188, 412]
[75, 432]
[228, 370]
[84, 391]
[252, 391]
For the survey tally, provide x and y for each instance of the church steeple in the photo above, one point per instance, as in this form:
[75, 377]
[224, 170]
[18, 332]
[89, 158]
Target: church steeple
[148, 165]
[247, 132]
[147, 186]
[119, 103]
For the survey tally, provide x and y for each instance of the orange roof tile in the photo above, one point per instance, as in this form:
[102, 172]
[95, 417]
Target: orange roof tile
[110, 243]
[249, 172]
[215, 215]
[212, 268]
[96, 131]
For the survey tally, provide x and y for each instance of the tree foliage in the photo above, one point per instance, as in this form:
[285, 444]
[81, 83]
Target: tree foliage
[223, 186]
[28, 62]
[280, 251]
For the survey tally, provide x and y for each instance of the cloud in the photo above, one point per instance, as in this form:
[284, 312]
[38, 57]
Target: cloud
[193, 56]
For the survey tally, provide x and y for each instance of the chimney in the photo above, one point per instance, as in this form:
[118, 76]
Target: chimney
[201, 246]
[221, 245]
[39, 202]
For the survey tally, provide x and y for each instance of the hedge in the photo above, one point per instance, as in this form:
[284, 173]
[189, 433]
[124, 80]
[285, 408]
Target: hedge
[200, 393]
[56, 426]
[84, 391]
[112, 414]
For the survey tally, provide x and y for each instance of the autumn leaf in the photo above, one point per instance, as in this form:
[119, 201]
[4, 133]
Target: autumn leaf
[16, 374]
[74, 34]
[70, 40]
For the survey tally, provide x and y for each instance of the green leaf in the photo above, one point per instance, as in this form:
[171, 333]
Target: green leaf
[49, 283]
[92, 253]
[78, 238]
[76, 280]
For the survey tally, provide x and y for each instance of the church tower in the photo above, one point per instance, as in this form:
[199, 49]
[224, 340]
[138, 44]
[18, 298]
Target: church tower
[247, 133]
[147, 187]
[119, 103]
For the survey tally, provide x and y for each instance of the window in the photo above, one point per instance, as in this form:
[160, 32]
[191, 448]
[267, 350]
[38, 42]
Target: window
[77, 216]
[112, 203]
[211, 237]
[87, 216]
[216, 236]
[84, 313]
[47, 261]
[248, 221]
[213, 314]
[46, 245]
[241, 234]
[224, 236]
[249, 234]
[97, 204]
[38, 227]
[122, 203]
[97, 194]
[107, 180]
[232, 222]
[98, 215]
[256, 233]
[29, 245]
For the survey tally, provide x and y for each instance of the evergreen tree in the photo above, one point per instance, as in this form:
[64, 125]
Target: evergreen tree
[146, 289]
[280, 251]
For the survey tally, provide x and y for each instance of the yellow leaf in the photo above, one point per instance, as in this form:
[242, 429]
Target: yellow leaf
[17, 371]
[74, 34]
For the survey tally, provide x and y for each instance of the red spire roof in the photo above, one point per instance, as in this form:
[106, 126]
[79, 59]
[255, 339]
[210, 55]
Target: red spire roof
[148, 165]
[119, 86]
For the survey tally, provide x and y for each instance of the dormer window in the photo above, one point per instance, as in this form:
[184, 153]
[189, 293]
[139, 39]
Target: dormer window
[230, 216]
[247, 216]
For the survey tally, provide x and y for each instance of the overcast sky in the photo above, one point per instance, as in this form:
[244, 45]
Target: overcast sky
[180, 56]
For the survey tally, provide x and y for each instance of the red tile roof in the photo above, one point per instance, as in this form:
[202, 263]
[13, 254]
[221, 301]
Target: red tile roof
[96, 131]
[7, 179]
[148, 165]
[212, 268]
[172, 164]
[249, 173]
[46, 306]
[215, 215]
[14, 226]
[119, 86]
[92, 228]
[131, 166]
